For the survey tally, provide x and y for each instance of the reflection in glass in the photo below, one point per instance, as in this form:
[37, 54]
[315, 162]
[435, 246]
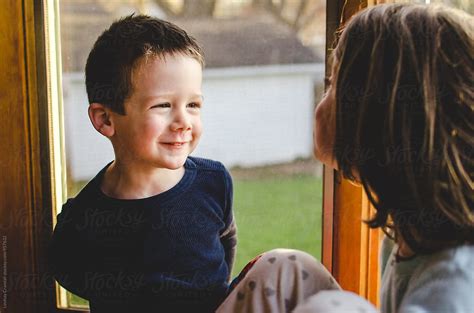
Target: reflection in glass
[264, 72]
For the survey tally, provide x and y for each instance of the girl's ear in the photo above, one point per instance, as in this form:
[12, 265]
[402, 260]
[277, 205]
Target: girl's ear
[100, 119]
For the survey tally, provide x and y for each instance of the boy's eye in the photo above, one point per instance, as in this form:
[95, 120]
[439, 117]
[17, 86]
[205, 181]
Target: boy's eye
[327, 81]
[162, 105]
[194, 105]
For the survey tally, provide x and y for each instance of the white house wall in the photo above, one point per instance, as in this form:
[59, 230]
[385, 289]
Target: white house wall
[251, 116]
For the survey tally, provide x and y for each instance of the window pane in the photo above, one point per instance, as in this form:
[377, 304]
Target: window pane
[264, 73]
[466, 5]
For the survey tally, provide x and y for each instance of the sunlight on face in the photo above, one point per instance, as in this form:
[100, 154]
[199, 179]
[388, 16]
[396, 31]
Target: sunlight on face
[162, 125]
[325, 125]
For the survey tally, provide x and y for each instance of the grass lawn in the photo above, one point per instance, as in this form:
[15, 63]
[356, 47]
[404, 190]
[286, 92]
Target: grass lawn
[283, 212]
[279, 212]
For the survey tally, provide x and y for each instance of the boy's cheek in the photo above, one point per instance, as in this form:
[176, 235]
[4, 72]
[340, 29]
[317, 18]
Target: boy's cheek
[197, 129]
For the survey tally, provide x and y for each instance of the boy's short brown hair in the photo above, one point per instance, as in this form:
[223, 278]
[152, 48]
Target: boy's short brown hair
[119, 48]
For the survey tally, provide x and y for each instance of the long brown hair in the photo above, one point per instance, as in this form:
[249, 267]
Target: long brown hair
[405, 119]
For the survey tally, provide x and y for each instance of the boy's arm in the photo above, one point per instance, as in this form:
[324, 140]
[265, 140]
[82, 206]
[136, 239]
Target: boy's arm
[229, 241]
[229, 235]
[66, 260]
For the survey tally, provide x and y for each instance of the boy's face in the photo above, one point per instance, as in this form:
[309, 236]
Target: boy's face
[162, 125]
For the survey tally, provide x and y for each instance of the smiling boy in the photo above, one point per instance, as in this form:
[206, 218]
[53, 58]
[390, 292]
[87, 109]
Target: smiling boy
[154, 230]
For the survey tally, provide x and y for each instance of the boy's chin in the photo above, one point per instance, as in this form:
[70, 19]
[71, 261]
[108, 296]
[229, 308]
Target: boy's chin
[174, 168]
[175, 164]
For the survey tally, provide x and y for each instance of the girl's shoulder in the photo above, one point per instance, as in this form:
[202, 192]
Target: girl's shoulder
[453, 261]
[442, 282]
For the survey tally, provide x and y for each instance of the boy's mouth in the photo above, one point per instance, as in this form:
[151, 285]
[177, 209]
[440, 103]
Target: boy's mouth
[174, 144]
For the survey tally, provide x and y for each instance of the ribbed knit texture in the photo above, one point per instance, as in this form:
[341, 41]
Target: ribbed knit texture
[167, 253]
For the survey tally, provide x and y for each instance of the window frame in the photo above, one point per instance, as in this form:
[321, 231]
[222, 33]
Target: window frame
[26, 176]
[350, 247]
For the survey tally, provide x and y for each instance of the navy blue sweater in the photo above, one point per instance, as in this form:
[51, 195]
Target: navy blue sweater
[172, 252]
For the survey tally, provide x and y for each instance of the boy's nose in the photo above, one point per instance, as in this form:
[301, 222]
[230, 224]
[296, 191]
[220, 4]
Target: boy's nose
[180, 122]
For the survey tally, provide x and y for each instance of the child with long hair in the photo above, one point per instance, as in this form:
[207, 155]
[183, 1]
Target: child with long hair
[401, 95]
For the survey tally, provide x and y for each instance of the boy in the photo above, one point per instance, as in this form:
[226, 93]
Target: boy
[154, 230]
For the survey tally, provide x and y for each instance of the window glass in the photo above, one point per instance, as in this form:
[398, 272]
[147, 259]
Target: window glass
[264, 73]
[466, 5]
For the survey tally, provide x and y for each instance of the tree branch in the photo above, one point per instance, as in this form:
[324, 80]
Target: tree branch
[299, 14]
[165, 6]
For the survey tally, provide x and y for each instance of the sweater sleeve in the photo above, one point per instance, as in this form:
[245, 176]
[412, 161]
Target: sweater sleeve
[229, 235]
[66, 257]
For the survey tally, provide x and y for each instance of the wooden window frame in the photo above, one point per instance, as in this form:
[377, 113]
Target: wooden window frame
[350, 249]
[26, 180]
[28, 192]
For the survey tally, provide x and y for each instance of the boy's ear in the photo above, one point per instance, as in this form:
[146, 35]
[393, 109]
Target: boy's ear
[100, 119]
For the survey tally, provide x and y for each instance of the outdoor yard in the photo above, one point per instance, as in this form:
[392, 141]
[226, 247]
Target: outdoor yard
[284, 212]
[274, 208]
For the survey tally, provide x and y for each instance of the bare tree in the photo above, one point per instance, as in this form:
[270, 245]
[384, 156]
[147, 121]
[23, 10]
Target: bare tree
[295, 13]
[198, 8]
